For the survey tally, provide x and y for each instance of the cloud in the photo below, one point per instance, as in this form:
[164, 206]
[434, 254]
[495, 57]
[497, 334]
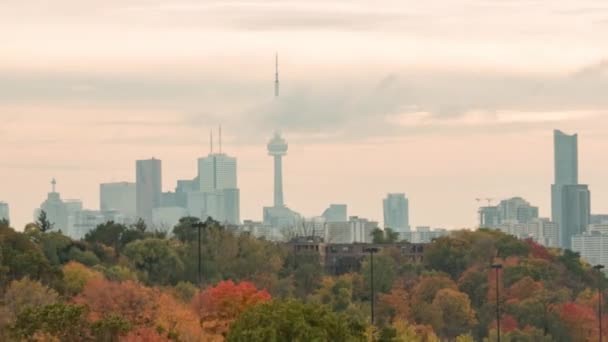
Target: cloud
[348, 104]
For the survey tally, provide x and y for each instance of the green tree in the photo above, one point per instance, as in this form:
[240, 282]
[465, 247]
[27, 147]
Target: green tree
[110, 328]
[22, 257]
[109, 234]
[384, 272]
[43, 223]
[447, 254]
[156, 259]
[184, 291]
[185, 231]
[59, 321]
[307, 274]
[377, 236]
[294, 321]
[387, 235]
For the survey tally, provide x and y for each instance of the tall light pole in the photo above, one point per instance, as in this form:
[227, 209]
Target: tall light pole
[497, 267]
[371, 252]
[599, 299]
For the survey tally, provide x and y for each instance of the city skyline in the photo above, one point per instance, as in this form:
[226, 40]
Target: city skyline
[415, 98]
[544, 213]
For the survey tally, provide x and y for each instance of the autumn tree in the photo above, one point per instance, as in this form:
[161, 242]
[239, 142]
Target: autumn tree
[177, 321]
[336, 292]
[455, 310]
[474, 282]
[219, 305]
[581, 321]
[76, 276]
[25, 293]
[423, 295]
[128, 299]
[395, 305]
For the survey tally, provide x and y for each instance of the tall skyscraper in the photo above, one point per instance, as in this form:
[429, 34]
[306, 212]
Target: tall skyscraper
[570, 201]
[121, 197]
[218, 195]
[217, 171]
[565, 158]
[277, 148]
[148, 187]
[396, 212]
[4, 211]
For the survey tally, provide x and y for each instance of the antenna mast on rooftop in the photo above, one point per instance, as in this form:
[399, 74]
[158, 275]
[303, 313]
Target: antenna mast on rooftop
[276, 76]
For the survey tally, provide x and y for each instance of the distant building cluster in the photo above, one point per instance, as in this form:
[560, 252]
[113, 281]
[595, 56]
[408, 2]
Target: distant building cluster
[572, 226]
[212, 193]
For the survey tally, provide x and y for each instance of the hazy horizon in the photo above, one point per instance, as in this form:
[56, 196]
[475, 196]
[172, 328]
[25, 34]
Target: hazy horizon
[397, 96]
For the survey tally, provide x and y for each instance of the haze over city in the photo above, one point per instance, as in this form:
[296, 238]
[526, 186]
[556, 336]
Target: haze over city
[390, 97]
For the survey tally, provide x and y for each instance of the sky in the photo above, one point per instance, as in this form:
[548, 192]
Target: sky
[446, 101]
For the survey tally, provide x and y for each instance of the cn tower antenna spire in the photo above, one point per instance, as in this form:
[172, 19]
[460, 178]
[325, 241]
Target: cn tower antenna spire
[276, 75]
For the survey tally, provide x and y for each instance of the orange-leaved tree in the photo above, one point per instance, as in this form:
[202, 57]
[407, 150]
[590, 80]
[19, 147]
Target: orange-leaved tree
[133, 302]
[218, 306]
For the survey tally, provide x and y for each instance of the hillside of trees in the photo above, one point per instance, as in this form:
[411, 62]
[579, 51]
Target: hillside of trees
[127, 283]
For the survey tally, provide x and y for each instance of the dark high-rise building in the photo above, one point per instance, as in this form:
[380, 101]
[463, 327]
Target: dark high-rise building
[565, 157]
[570, 201]
[148, 187]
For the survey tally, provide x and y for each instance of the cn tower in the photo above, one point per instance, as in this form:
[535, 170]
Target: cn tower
[277, 147]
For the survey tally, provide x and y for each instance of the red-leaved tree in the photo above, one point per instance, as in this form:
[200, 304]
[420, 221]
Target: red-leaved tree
[580, 320]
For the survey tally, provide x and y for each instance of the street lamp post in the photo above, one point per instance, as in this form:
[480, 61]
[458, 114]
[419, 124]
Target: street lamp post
[599, 299]
[497, 267]
[371, 252]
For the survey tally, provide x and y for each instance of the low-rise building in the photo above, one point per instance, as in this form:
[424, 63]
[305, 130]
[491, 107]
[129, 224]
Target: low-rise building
[592, 246]
[341, 258]
[423, 234]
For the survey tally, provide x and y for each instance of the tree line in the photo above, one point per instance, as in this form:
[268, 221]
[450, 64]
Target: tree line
[130, 283]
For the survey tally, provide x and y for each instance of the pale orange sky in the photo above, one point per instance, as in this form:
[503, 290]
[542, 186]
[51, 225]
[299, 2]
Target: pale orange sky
[445, 102]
